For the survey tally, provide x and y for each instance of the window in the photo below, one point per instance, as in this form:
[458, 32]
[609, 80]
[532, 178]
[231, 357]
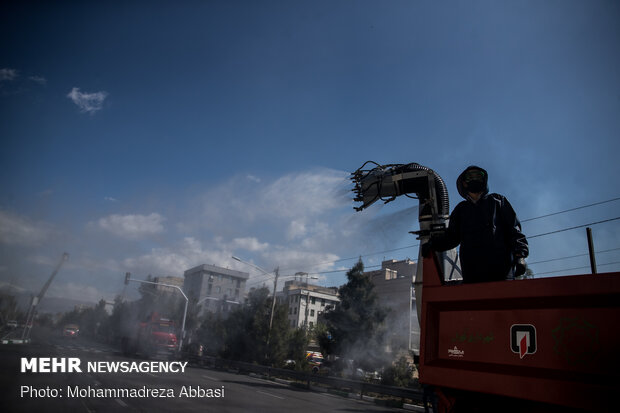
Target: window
[218, 289]
[295, 310]
[311, 313]
[311, 324]
[322, 302]
[313, 300]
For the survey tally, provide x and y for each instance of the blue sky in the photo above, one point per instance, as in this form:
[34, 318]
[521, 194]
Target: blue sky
[151, 137]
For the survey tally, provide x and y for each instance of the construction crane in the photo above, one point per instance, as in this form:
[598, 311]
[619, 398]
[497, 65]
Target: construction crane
[36, 300]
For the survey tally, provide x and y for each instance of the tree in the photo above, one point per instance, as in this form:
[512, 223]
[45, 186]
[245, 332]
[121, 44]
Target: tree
[212, 334]
[296, 348]
[248, 337]
[356, 325]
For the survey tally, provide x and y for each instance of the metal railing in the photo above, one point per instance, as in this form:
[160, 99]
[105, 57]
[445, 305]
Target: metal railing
[309, 380]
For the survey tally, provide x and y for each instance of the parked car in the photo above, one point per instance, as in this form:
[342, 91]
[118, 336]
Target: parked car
[71, 331]
[11, 324]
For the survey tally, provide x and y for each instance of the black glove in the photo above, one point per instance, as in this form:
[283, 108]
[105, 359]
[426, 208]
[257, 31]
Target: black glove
[520, 266]
[426, 249]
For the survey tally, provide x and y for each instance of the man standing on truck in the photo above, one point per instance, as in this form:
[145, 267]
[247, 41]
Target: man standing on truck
[487, 229]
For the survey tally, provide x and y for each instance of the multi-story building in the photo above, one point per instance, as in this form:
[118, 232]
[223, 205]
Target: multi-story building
[306, 302]
[213, 288]
[393, 284]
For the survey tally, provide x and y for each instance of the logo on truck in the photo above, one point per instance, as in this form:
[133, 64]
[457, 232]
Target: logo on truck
[523, 339]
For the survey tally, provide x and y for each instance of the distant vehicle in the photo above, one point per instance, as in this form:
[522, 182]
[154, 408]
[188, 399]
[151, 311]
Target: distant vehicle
[315, 359]
[11, 324]
[71, 331]
[151, 338]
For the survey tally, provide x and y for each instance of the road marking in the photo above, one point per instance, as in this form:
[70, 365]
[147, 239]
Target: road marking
[122, 403]
[210, 378]
[269, 394]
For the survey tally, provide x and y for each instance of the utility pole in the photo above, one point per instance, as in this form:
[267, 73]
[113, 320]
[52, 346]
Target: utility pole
[273, 303]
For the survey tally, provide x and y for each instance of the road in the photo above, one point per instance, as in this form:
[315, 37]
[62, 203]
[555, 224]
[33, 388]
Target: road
[31, 391]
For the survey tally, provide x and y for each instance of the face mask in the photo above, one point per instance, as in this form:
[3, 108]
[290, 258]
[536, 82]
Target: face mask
[474, 186]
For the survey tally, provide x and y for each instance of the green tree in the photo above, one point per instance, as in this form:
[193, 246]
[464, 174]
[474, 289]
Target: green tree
[212, 334]
[355, 328]
[296, 349]
[247, 334]
[399, 373]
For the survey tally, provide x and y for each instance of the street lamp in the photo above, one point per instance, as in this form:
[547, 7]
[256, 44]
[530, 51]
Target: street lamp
[275, 285]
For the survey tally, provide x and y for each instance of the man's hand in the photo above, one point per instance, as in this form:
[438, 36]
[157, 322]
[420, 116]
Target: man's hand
[520, 266]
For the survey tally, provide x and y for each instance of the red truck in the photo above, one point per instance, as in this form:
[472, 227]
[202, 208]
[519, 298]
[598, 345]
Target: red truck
[152, 337]
[534, 345]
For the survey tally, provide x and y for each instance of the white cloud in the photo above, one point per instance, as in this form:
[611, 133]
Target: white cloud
[16, 230]
[299, 222]
[254, 178]
[301, 259]
[38, 79]
[174, 260]
[110, 199]
[249, 244]
[133, 226]
[87, 102]
[77, 292]
[305, 194]
[296, 229]
[8, 74]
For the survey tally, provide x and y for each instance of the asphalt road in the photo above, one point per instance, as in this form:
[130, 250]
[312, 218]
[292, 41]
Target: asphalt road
[50, 392]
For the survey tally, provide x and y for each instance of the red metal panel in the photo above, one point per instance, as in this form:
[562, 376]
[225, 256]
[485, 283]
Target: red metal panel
[554, 340]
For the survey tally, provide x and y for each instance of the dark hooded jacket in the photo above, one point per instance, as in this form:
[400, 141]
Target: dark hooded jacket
[488, 232]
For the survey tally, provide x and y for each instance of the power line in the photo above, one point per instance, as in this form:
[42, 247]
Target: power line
[576, 268]
[344, 270]
[568, 229]
[359, 256]
[570, 210]
[417, 245]
[525, 220]
[572, 256]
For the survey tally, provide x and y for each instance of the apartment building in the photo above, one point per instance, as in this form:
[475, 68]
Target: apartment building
[393, 284]
[306, 302]
[213, 288]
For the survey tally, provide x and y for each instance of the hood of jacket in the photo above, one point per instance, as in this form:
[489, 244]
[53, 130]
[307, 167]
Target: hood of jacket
[459, 181]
